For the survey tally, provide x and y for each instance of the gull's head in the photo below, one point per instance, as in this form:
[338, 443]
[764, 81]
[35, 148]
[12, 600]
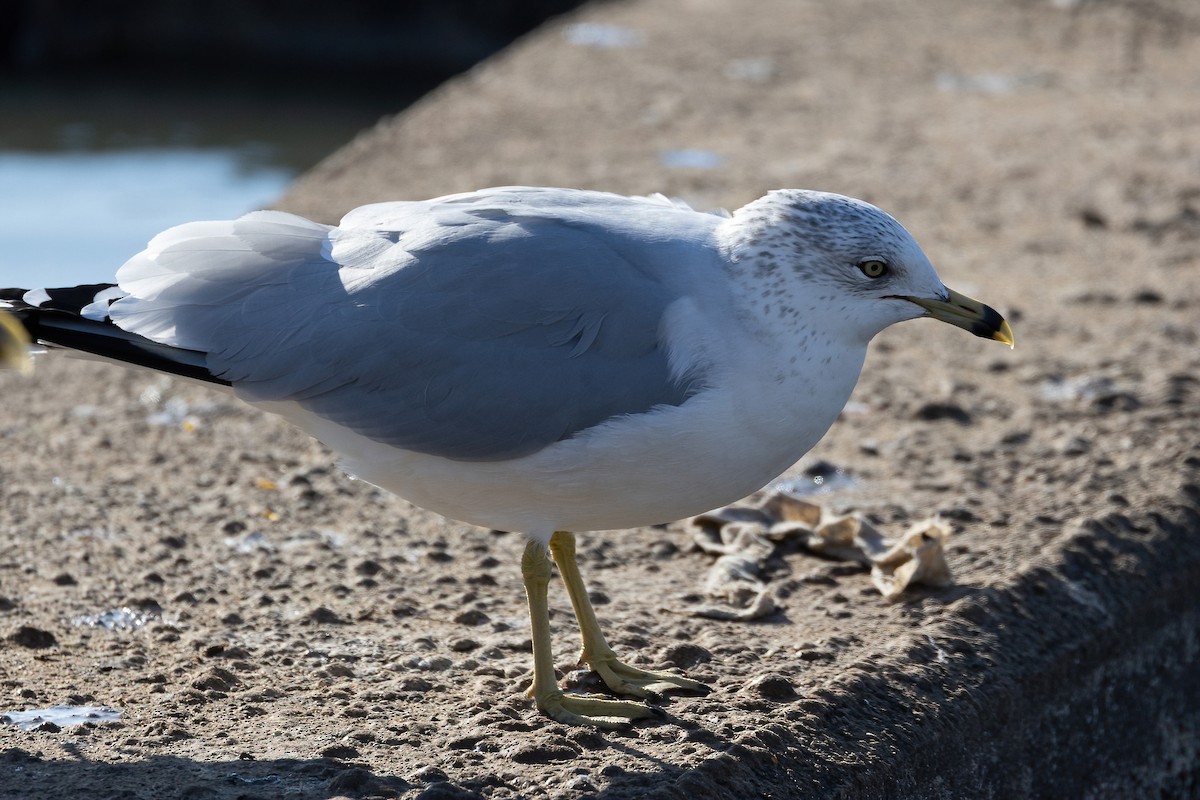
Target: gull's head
[851, 260]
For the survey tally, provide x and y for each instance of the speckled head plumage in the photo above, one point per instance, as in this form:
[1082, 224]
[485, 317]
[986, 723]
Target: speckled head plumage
[842, 260]
[818, 250]
[818, 233]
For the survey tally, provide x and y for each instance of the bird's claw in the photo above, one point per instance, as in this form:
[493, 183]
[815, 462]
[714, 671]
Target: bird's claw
[629, 680]
[598, 712]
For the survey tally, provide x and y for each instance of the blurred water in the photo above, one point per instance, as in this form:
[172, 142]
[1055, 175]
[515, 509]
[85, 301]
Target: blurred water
[91, 169]
[74, 217]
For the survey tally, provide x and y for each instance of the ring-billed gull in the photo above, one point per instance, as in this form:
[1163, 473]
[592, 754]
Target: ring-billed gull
[529, 359]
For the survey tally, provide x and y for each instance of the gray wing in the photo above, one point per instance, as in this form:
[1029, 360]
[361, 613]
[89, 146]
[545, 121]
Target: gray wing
[477, 334]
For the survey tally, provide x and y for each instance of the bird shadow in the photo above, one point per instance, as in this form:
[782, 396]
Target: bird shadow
[26, 775]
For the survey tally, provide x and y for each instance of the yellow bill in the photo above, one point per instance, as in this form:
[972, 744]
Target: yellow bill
[969, 314]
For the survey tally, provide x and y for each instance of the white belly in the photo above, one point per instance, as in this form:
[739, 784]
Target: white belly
[643, 469]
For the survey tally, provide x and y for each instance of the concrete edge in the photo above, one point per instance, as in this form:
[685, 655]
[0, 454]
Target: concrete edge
[1035, 727]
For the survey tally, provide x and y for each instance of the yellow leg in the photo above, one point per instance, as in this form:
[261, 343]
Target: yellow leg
[619, 676]
[550, 700]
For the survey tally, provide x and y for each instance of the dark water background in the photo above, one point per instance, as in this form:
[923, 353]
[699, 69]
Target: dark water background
[118, 120]
[92, 167]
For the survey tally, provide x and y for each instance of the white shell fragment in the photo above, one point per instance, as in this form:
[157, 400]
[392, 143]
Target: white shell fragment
[746, 536]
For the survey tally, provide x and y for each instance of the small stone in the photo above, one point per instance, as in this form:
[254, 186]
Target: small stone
[772, 687]
[340, 751]
[368, 568]
[432, 664]
[464, 645]
[554, 749]
[339, 671]
[428, 774]
[1016, 438]
[686, 655]
[215, 679]
[65, 579]
[823, 470]
[581, 783]
[938, 411]
[466, 742]
[325, 616]
[664, 548]
[1091, 218]
[35, 638]
[959, 514]
[472, 617]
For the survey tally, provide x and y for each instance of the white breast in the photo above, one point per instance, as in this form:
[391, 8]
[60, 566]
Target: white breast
[667, 464]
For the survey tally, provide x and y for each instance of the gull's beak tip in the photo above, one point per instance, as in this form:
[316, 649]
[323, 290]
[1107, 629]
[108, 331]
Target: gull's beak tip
[969, 314]
[1005, 335]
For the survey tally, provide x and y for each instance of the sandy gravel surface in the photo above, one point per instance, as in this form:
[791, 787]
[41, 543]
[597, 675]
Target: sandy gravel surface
[303, 635]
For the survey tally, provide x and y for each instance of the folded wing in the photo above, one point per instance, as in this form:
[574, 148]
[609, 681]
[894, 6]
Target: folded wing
[474, 329]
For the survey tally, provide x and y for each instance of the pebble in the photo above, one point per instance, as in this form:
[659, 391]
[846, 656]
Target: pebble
[340, 751]
[428, 774]
[31, 637]
[434, 664]
[368, 568]
[472, 617]
[771, 687]
[325, 616]
[215, 679]
[938, 411]
[686, 655]
[550, 749]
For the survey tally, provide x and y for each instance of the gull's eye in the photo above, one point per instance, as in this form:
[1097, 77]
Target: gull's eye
[873, 267]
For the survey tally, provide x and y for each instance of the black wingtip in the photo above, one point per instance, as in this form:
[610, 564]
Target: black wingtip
[55, 320]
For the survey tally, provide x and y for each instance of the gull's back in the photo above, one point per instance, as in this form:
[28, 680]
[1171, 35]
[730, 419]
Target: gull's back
[478, 327]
